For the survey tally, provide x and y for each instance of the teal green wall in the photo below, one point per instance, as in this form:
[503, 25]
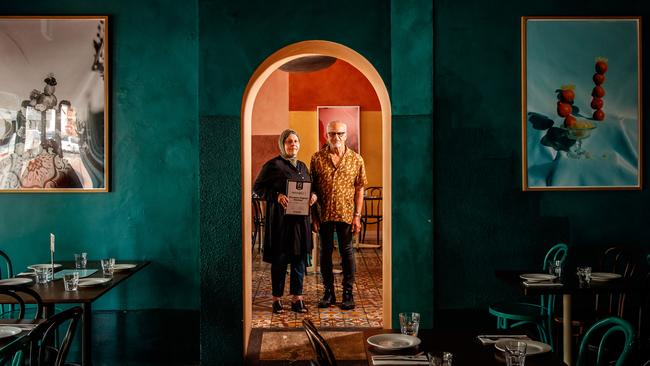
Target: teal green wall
[483, 219]
[152, 211]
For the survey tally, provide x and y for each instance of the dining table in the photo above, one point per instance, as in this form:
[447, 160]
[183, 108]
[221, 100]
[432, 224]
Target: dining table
[569, 286]
[462, 343]
[53, 293]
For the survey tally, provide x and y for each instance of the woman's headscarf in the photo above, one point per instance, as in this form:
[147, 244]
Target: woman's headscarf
[283, 152]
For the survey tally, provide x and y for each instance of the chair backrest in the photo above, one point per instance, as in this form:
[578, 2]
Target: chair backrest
[258, 211]
[323, 352]
[615, 260]
[43, 336]
[605, 329]
[557, 253]
[17, 352]
[372, 208]
[21, 295]
[8, 271]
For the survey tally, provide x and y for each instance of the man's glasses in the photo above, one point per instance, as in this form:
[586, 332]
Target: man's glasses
[339, 134]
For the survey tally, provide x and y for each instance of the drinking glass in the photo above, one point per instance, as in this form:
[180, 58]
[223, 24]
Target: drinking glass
[80, 260]
[71, 281]
[409, 323]
[584, 275]
[515, 353]
[108, 266]
[555, 268]
[43, 275]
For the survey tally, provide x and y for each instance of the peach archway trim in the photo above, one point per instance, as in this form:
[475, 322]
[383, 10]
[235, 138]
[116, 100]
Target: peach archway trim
[272, 63]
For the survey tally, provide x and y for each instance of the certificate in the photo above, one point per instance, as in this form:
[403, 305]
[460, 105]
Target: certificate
[298, 193]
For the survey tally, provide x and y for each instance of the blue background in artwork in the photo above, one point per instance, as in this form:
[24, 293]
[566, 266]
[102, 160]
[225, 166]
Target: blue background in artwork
[564, 52]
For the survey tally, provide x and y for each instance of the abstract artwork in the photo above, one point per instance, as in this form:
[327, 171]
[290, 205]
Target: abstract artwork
[581, 101]
[53, 104]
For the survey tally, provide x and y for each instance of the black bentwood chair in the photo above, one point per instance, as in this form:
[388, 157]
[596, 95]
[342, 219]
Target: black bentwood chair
[43, 353]
[19, 294]
[323, 352]
[17, 352]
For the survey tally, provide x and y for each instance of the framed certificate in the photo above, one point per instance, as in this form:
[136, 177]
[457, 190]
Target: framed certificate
[298, 193]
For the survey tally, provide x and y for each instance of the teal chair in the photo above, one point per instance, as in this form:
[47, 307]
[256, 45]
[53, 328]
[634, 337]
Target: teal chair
[511, 315]
[606, 328]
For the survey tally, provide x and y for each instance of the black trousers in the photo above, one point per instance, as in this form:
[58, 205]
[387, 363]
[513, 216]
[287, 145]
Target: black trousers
[279, 271]
[344, 236]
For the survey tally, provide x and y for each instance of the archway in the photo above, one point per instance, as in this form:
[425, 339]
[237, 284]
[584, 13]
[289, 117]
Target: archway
[261, 74]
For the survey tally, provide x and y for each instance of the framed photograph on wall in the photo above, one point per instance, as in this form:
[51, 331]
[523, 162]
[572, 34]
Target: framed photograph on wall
[350, 115]
[581, 103]
[53, 104]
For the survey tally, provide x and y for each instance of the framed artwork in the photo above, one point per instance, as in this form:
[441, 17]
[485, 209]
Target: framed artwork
[53, 104]
[581, 103]
[350, 115]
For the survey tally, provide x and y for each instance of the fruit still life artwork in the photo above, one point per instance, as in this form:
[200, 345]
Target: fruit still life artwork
[581, 99]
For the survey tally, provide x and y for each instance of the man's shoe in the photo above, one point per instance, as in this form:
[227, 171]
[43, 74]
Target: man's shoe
[299, 306]
[328, 299]
[277, 307]
[348, 301]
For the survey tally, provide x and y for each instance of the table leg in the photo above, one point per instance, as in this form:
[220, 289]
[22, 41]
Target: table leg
[86, 332]
[48, 310]
[567, 340]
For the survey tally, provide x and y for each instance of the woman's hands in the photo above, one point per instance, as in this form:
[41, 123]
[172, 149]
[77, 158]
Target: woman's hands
[283, 200]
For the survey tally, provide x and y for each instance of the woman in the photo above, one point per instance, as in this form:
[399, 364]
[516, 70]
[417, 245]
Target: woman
[287, 238]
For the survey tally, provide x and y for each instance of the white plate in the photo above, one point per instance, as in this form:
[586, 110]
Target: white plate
[89, 282]
[43, 265]
[124, 267]
[604, 276]
[532, 347]
[16, 281]
[393, 341]
[537, 276]
[7, 331]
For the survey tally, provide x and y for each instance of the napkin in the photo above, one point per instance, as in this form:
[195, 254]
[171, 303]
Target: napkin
[542, 284]
[494, 338]
[399, 360]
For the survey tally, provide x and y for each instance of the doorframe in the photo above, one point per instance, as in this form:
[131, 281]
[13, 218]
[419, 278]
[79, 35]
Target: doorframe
[261, 74]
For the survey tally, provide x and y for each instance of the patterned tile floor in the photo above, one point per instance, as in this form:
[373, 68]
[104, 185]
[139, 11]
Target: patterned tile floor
[367, 295]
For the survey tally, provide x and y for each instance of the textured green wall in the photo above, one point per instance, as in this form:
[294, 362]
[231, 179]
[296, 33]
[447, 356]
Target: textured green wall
[412, 149]
[483, 219]
[152, 211]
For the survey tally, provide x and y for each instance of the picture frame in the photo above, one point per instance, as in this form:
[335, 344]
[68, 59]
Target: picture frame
[54, 120]
[350, 115]
[581, 103]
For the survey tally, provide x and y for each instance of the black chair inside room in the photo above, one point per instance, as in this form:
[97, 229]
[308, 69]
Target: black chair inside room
[17, 352]
[18, 307]
[47, 348]
[322, 351]
[372, 211]
[259, 220]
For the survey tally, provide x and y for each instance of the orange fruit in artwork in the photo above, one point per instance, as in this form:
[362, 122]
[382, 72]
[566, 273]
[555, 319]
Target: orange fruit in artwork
[599, 78]
[569, 121]
[599, 115]
[597, 103]
[563, 109]
[598, 91]
[601, 66]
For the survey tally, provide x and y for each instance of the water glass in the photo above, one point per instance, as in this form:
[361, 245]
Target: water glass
[108, 266]
[71, 281]
[515, 353]
[555, 268]
[409, 323]
[584, 275]
[440, 359]
[43, 275]
[80, 260]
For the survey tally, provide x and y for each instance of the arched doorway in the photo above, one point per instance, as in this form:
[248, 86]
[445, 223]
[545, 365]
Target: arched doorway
[261, 74]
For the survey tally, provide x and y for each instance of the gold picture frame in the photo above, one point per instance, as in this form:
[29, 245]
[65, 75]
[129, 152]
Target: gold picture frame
[581, 125]
[54, 104]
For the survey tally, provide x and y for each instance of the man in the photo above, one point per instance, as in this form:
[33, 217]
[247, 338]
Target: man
[338, 175]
